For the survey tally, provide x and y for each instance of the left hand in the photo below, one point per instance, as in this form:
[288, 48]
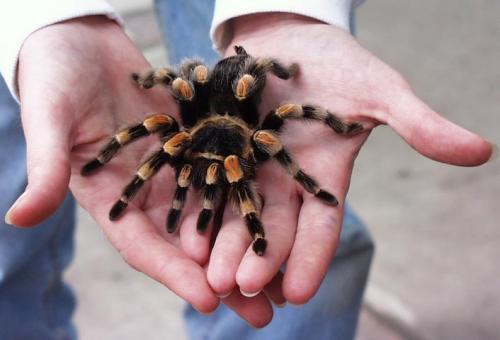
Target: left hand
[340, 75]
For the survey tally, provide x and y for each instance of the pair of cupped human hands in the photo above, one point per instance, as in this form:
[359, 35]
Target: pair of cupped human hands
[75, 91]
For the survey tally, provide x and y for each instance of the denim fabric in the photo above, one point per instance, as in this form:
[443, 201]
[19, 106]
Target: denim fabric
[333, 312]
[186, 26]
[35, 303]
[331, 315]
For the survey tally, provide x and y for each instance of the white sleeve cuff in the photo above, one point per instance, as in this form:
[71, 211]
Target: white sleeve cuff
[333, 12]
[21, 18]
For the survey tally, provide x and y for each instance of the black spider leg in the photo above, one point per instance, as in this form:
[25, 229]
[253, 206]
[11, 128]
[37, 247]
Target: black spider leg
[267, 144]
[211, 192]
[219, 215]
[240, 50]
[163, 75]
[183, 177]
[199, 74]
[274, 119]
[265, 65]
[244, 193]
[248, 86]
[189, 87]
[172, 147]
[160, 123]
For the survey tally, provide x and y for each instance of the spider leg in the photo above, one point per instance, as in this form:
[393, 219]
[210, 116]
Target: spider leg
[248, 85]
[253, 75]
[274, 120]
[171, 148]
[240, 50]
[163, 75]
[184, 177]
[269, 144]
[160, 123]
[182, 88]
[212, 190]
[190, 87]
[277, 68]
[195, 70]
[247, 198]
[199, 75]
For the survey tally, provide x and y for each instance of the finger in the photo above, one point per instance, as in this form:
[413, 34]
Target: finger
[230, 245]
[257, 311]
[279, 218]
[317, 236]
[47, 130]
[274, 291]
[195, 244]
[144, 249]
[434, 136]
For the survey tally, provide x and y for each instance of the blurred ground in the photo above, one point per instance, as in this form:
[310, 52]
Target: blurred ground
[436, 226]
[435, 275]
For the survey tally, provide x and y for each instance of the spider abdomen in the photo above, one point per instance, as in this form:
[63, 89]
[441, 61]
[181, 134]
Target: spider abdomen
[221, 136]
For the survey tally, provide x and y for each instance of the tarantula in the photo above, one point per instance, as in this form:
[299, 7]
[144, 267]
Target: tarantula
[220, 142]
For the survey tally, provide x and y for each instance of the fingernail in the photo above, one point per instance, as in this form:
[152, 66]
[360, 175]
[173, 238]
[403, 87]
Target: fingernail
[494, 152]
[280, 305]
[207, 313]
[203, 313]
[12, 208]
[7, 217]
[249, 295]
[223, 295]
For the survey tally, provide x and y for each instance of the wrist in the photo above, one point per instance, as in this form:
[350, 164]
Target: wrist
[264, 24]
[332, 12]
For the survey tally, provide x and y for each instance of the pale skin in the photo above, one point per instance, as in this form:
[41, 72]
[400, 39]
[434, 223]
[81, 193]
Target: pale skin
[83, 92]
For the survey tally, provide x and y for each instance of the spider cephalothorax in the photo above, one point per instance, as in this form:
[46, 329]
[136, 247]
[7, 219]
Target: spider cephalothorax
[220, 142]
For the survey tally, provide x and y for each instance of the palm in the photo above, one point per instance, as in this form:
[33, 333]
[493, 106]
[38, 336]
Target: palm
[70, 107]
[97, 193]
[104, 100]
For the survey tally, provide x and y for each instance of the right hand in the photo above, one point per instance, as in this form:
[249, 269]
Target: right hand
[337, 73]
[75, 90]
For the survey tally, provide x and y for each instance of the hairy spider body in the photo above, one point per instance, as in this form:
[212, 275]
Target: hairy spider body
[220, 142]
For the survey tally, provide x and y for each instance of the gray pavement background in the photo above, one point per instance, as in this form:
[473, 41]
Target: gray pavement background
[436, 272]
[437, 227]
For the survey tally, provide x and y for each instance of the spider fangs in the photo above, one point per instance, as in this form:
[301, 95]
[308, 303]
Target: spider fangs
[221, 141]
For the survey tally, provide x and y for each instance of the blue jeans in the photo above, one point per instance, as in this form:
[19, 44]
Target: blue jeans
[35, 303]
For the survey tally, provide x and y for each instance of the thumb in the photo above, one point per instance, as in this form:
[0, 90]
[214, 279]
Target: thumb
[47, 141]
[434, 136]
